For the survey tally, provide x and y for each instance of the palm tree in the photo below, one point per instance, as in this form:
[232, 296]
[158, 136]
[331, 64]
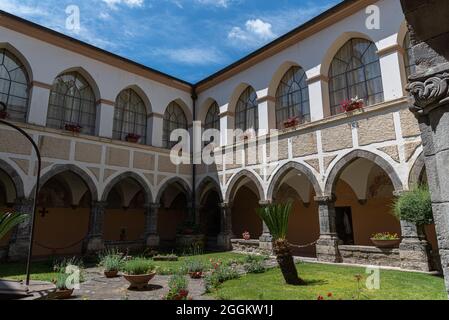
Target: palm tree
[9, 221]
[276, 218]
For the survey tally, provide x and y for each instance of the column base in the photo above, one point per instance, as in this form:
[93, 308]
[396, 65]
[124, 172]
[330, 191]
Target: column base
[266, 242]
[415, 255]
[18, 250]
[153, 241]
[224, 241]
[327, 249]
[94, 245]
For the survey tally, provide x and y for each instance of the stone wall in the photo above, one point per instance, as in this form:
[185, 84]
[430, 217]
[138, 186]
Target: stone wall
[370, 256]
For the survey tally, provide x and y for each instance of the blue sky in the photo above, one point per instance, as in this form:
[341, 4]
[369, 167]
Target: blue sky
[189, 39]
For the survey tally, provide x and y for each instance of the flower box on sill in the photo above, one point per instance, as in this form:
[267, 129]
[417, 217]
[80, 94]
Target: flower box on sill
[352, 104]
[75, 128]
[291, 122]
[133, 138]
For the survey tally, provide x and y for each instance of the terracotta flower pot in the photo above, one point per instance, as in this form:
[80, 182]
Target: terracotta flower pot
[62, 294]
[386, 243]
[111, 274]
[139, 281]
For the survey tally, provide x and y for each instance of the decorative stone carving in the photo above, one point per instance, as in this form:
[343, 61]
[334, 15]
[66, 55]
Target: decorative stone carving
[429, 93]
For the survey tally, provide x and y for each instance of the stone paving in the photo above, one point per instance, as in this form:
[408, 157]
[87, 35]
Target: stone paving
[98, 287]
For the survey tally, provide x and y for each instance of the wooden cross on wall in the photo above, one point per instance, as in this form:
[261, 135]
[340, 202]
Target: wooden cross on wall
[43, 212]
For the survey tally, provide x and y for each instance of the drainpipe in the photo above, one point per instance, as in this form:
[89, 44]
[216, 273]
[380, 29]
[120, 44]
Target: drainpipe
[194, 99]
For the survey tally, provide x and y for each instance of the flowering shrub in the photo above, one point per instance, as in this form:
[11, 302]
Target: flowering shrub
[385, 236]
[352, 104]
[132, 137]
[291, 122]
[219, 274]
[73, 127]
[178, 288]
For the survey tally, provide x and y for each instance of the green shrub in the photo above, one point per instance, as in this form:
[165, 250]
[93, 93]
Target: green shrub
[194, 266]
[111, 260]
[256, 266]
[414, 206]
[250, 258]
[138, 266]
[219, 275]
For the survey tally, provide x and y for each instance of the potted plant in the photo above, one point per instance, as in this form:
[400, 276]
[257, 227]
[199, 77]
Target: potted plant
[178, 286]
[138, 272]
[112, 262]
[166, 257]
[385, 240]
[73, 127]
[133, 138]
[291, 122]
[246, 235]
[3, 112]
[352, 104]
[62, 291]
[195, 269]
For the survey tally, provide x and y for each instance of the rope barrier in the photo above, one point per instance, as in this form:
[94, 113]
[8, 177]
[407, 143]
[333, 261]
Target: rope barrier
[303, 246]
[61, 248]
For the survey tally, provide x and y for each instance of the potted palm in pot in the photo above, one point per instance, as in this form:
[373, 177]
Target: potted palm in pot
[276, 217]
[138, 272]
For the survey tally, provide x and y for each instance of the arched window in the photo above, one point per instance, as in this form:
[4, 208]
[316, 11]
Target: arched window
[14, 85]
[130, 117]
[174, 118]
[409, 59]
[212, 120]
[355, 72]
[72, 103]
[246, 113]
[292, 97]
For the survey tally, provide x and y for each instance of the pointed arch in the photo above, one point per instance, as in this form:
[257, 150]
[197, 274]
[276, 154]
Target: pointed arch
[15, 177]
[235, 183]
[177, 181]
[349, 158]
[128, 175]
[204, 184]
[61, 168]
[280, 174]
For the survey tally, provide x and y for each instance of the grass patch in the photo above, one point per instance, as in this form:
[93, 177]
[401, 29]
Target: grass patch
[40, 271]
[338, 280]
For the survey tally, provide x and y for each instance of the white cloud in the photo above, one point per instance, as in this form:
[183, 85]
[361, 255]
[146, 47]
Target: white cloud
[216, 3]
[21, 9]
[191, 56]
[256, 31]
[113, 4]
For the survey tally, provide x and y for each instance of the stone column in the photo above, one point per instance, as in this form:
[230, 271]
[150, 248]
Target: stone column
[94, 241]
[226, 234]
[414, 250]
[265, 240]
[327, 245]
[151, 214]
[20, 239]
[429, 33]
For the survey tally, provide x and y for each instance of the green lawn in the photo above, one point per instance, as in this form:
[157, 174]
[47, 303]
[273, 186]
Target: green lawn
[40, 271]
[338, 280]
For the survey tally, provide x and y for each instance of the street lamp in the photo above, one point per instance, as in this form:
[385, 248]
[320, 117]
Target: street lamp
[36, 192]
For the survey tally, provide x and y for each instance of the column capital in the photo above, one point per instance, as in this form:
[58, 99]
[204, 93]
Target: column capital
[325, 199]
[429, 91]
[265, 203]
[398, 193]
[225, 205]
[99, 204]
[152, 205]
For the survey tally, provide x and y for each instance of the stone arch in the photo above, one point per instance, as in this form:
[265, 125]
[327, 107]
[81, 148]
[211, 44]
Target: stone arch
[282, 171]
[167, 183]
[134, 176]
[416, 171]
[21, 57]
[235, 181]
[141, 93]
[15, 177]
[402, 32]
[61, 168]
[278, 75]
[336, 46]
[89, 78]
[204, 108]
[349, 158]
[202, 188]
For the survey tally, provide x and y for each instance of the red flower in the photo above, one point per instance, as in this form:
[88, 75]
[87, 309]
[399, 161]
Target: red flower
[329, 295]
[320, 298]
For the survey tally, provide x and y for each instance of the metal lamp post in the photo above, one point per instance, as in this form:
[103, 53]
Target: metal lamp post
[36, 193]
